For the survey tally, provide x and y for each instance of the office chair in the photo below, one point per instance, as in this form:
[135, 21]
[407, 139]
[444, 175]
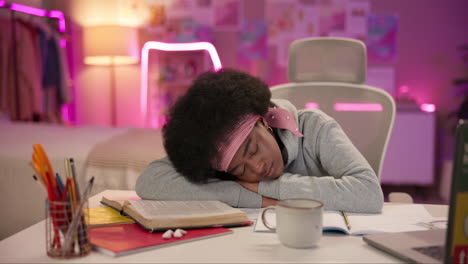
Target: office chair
[328, 73]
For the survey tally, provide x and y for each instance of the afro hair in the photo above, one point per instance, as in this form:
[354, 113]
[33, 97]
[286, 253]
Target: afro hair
[204, 115]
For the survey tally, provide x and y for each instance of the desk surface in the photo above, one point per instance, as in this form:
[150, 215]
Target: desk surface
[243, 245]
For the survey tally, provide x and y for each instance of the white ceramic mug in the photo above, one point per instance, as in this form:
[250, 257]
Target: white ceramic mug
[298, 222]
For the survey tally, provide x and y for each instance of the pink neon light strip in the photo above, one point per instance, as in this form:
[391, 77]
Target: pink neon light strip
[28, 10]
[62, 28]
[170, 47]
[61, 18]
[358, 107]
[311, 105]
[429, 108]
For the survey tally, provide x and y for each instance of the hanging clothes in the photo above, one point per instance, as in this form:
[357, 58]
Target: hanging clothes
[21, 87]
[34, 77]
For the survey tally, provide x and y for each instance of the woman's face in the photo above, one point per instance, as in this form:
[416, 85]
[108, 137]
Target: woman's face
[259, 157]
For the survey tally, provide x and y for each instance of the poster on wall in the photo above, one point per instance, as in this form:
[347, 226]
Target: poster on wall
[203, 12]
[252, 41]
[382, 77]
[157, 13]
[227, 14]
[185, 29]
[280, 18]
[382, 37]
[200, 11]
[307, 19]
[332, 17]
[356, 19]
[179, 8]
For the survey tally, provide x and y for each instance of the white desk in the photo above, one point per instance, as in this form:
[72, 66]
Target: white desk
[243, 245]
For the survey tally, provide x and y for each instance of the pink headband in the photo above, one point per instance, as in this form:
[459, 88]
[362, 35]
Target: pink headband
[276, 117]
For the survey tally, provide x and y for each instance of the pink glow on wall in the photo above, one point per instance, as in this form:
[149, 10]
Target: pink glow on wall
[170, 47]
[403, 89]
[311, 105]
[2, 3]
[357, 107]
[429, 108]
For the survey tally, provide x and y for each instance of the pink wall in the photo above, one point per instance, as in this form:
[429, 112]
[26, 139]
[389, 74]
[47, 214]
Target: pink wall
[429, 33]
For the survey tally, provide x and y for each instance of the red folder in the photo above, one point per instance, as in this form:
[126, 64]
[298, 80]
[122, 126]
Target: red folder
[120, 240]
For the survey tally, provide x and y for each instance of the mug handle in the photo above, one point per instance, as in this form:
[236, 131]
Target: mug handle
[265, 223]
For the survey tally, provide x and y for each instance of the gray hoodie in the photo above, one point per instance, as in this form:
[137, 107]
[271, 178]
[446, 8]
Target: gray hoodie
[323, 165]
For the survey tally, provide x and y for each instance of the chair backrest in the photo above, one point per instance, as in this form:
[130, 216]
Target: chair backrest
[328, 73]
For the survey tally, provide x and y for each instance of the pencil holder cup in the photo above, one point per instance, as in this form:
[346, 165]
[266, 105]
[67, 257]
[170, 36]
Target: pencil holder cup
[66, 235]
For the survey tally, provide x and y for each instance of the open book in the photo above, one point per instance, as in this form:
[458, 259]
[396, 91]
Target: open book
[162, 215]
[394, 218]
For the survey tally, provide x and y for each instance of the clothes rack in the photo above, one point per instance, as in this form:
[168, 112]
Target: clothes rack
[20, 101]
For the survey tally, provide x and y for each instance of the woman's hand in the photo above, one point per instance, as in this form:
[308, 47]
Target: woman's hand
[251, 186]
[266, 201]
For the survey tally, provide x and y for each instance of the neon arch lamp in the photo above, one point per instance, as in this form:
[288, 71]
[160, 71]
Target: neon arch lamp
[170, 47]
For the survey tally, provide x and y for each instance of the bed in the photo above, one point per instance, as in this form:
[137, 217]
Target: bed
[114, 156]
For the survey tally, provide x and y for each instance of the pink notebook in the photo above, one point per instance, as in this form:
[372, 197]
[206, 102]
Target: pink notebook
[120, 240]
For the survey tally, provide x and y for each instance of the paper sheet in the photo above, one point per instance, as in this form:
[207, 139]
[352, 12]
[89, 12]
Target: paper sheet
[252, 213]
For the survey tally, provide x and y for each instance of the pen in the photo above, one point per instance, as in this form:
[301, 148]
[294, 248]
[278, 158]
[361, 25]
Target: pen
[77, 215]
[348, 225]
[71, 162]
[59, 183]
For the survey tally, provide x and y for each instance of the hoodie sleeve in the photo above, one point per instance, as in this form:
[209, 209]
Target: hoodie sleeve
[346, 181]
[160, 181]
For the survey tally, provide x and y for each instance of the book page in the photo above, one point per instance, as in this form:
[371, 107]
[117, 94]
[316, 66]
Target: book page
[151, 209]
[334, 221]
[116, 204]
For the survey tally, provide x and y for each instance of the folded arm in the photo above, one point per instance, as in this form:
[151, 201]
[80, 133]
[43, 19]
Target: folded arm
[160, 181]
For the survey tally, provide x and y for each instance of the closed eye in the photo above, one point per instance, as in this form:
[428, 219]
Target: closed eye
[252, 154]
[256, 149]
